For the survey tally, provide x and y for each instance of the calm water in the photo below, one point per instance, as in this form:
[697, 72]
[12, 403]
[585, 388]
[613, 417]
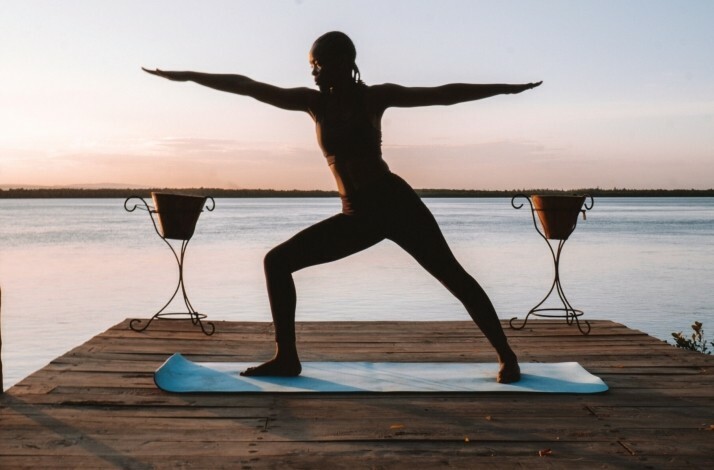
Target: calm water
[70, 269]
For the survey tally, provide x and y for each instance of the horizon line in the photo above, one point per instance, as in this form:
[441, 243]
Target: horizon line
[103, 192]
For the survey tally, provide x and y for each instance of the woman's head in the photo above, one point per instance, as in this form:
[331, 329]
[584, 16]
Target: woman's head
[332, 58]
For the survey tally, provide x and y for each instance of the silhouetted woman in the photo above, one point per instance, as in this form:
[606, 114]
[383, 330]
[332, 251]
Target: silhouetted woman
[376, 203]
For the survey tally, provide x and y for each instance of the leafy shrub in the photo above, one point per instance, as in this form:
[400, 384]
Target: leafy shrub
[696, 342]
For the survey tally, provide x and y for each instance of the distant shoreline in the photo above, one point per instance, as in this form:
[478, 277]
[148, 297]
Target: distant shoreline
[68, 193]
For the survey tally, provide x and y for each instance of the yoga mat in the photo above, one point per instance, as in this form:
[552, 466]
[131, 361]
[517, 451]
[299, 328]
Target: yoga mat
[179, 375]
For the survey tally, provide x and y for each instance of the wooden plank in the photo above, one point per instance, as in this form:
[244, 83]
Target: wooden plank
[97, 406]
[393, 455]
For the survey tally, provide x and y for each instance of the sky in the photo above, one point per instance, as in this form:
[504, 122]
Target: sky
[627, 99]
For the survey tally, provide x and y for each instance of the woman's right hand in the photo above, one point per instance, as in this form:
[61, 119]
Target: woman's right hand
[293, 99]
[175, 76]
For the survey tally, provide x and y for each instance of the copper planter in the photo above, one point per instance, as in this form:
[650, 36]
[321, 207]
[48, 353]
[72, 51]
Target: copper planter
[178, 214]
[558, 215]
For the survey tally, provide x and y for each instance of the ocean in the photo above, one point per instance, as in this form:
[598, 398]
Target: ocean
[71, 268]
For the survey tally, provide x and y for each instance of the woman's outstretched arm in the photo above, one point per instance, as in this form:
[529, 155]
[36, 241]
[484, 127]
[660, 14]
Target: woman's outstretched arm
[294, 99]
[391, 95]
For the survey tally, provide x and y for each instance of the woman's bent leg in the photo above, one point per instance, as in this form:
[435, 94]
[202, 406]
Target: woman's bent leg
[329, 240]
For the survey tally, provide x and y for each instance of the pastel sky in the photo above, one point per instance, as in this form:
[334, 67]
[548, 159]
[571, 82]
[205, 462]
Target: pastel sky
[627, 99]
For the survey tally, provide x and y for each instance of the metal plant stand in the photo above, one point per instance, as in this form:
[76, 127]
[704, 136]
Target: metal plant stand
[558, 216]
[177, 216]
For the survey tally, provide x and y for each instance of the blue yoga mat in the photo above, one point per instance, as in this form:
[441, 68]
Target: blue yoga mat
[180, 375]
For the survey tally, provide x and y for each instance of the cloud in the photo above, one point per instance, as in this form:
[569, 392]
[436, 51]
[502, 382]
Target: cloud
[487, 165]
[173, 162]
[195, 162]
[530, 164]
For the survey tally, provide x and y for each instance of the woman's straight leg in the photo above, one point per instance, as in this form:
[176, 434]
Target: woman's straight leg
[413, 228]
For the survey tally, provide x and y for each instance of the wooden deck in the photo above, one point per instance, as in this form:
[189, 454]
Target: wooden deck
[97, 405]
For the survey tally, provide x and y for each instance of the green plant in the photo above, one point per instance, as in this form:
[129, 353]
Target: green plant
[696, 342]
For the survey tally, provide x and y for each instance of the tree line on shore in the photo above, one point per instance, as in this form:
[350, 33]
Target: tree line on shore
[39, 193]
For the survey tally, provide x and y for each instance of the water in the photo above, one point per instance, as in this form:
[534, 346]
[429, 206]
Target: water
[70, 269]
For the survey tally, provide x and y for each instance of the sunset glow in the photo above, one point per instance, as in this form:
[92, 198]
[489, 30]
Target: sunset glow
[627, 99]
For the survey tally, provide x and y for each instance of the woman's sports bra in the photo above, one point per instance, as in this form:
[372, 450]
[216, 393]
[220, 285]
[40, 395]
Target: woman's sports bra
[351, 140]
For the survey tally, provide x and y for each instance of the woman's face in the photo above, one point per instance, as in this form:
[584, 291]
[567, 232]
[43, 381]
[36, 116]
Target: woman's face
[319, 74]
[327, 73]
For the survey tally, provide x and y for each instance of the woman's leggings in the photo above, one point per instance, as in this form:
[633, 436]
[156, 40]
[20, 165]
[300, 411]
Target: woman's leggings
[388, 209]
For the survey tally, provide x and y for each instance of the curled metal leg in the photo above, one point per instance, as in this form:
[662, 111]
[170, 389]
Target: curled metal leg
[196, 318]
[570, 314]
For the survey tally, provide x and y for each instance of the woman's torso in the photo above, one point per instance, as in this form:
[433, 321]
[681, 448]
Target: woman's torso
[349, 133]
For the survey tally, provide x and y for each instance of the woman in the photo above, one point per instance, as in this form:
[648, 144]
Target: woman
[376, 204]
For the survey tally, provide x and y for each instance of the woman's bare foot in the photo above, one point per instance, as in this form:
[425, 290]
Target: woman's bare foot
[274, 368]
[509, 371]
[286, 363]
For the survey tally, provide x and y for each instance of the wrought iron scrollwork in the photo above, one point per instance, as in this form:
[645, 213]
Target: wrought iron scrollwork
[196, 318]
[571, 315]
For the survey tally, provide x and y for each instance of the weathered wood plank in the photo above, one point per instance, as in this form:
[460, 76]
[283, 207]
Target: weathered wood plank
[97, 406]
[393, 455]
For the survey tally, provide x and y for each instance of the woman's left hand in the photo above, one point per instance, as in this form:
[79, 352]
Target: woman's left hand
[524, 87]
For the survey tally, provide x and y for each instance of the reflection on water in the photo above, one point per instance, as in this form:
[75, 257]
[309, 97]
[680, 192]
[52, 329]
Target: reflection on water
[70, 269]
